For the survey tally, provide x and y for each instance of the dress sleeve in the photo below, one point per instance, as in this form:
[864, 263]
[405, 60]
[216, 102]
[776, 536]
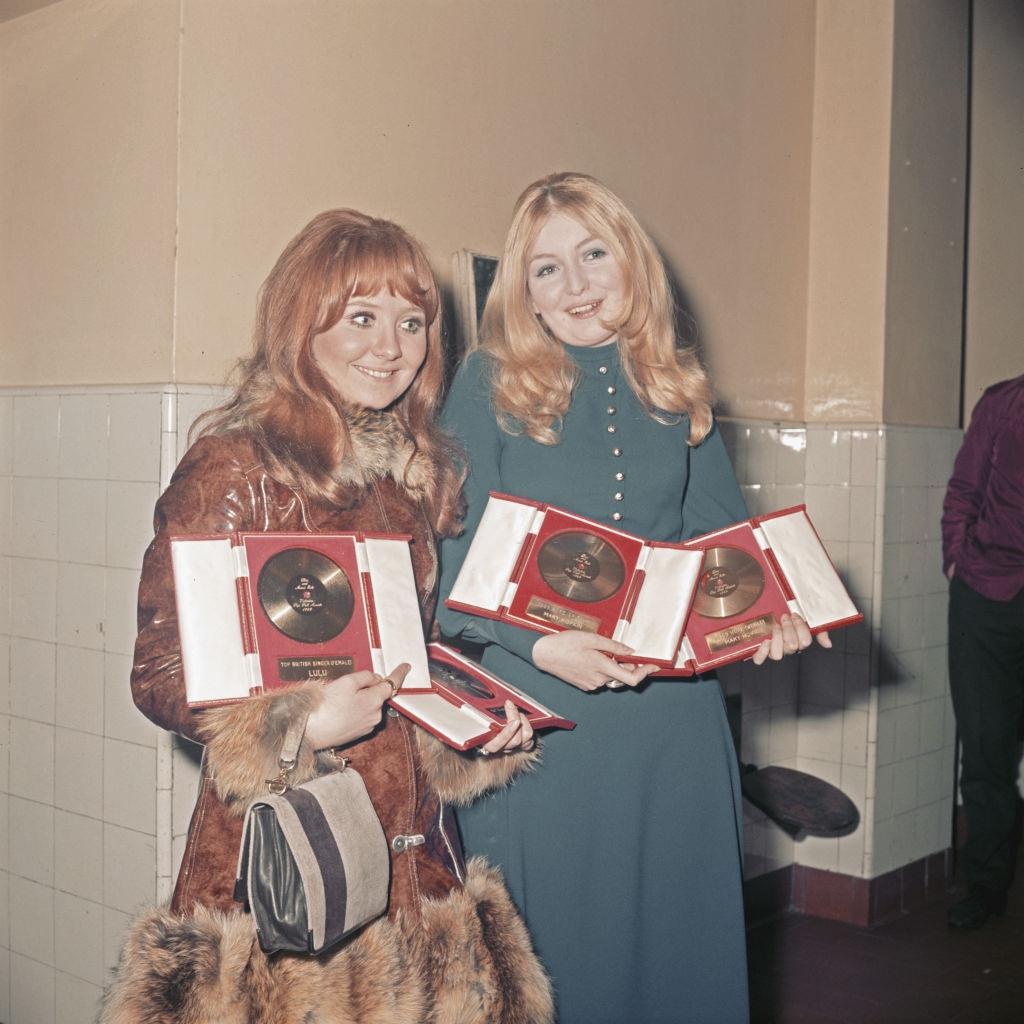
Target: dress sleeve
[712, 498]
[470, 418]
[965, 493]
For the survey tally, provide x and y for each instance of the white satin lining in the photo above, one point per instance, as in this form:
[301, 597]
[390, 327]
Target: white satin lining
[485, 574]
[821, 597]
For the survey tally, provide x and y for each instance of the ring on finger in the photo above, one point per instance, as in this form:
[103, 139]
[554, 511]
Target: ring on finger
[391, 682]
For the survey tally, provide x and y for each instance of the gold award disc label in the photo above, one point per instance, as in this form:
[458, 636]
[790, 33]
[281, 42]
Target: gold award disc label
[581, 566]
[306, 595]
[730, 582]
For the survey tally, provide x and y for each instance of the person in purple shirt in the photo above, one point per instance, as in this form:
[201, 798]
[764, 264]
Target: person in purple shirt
[983, 556]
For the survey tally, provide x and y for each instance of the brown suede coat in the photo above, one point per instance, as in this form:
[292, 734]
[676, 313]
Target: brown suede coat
[221, 486]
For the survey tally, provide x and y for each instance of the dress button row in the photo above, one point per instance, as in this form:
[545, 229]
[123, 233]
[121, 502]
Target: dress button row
[616, 516]
[616, 452]
[611, 389]
[602, 369]
[620, 476]
[611, 410]
[611, 428]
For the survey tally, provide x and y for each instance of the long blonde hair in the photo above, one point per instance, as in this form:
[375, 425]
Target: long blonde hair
[283, 398]
[533, 377]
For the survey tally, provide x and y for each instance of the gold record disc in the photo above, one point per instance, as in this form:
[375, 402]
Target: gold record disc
[581, 566]
[730, 582]
[305, 595]
[459, 680]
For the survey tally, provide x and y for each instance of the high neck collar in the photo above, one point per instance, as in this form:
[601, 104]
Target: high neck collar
[593, 355]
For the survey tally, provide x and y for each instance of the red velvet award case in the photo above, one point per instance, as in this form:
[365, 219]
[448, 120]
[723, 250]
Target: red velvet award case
[465, 704]
[551, 570]
[257, 611]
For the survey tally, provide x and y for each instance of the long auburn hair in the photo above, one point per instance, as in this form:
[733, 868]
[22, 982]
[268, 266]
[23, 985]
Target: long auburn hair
[533, 377]
[283, 399]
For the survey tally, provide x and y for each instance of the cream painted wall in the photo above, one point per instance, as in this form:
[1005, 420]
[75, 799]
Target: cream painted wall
[88, 96]
[927, 210]
[849, 210]
[436, 114]
[995, 297]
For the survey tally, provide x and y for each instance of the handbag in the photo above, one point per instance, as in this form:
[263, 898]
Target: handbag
[313, 865]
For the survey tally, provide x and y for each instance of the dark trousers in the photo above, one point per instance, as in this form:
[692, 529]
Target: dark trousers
[986, 676]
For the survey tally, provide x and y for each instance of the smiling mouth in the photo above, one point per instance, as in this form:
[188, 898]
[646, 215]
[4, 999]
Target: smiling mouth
[584, 311]
[375, 374]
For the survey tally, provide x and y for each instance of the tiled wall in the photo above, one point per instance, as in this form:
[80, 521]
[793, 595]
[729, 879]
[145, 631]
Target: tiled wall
[85, 780]
[94, 801]
[873, 715]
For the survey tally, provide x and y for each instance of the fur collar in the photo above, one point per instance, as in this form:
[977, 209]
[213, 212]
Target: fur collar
[381, 448]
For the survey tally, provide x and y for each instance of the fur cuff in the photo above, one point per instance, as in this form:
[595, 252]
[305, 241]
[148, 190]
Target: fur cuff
[466, 958]
[243, 742]
[381, 447]
[462, 778]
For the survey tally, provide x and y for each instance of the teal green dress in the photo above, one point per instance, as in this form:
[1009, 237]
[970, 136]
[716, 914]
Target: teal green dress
[623, 851]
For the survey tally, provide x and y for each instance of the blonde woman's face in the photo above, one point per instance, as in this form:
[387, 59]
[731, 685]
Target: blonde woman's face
[574, 282]
[373, 353]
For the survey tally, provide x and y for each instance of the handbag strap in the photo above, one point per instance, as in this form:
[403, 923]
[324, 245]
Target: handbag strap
[289, 755]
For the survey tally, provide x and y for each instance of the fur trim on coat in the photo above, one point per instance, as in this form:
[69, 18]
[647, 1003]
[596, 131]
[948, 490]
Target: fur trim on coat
[380, 448]
[468, 962]
[243, 743]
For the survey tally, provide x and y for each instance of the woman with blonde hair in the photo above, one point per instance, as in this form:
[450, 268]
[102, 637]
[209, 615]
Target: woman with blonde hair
[624, 851]
[331, 428]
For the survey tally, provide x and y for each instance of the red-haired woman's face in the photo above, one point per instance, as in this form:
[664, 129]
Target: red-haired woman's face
[373, 353]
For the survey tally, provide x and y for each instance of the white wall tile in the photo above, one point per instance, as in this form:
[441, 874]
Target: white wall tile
[82, 521]
[6, 492]
[821, 677]
[33, 668]
[5, 674]
[886, 736]
[884, 791]
[78, 855]
[6, 581]
[933, 513]
[911, 627]
[5, 953]
[32, 991]
[115, 929]
[818, 852]
[77, 1001]
[820, 733]
[83, 436]
[31, 919]
[904, 781]
[80, 605]
[34, 516]
[186, 759]
[36, 423]
[76, 949]
[129, 785]
[80, 689]
[134, 440]
[829, 508]
[79, 781]
[6, 435]
[122, 596]
[932, 785]
[755, 737]
[863, 457]
[5, 832]
[914, 513]
[33, 599]
[129, 522]
[122, 719]
[932, 719]
[850, 855]
[908, 685]
[908, 732]
[129, 870]
[783, 735]
[855, 737]
[5, 749]
[862, 515]
[828, 456]
[31, 768]
[791, 455]
[31, 840]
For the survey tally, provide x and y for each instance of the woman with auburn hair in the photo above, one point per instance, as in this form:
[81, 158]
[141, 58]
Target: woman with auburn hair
[330, 428]
[624, 851]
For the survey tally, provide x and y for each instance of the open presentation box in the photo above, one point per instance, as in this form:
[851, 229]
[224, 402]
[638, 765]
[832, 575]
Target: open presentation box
[684, 607]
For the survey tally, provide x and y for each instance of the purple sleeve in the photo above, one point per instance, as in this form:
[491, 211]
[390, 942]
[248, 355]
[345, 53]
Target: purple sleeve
[966, 491]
